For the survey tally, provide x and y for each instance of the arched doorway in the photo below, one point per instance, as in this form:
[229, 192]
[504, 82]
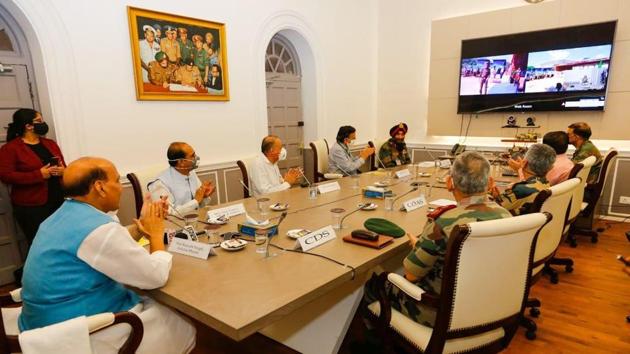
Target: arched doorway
[284, 99]
[17, 90]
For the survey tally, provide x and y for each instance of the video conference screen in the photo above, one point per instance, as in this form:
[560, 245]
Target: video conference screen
[552, 70]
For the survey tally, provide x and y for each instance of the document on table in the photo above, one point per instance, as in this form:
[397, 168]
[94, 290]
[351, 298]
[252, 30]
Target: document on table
[178, 87]
[443, 202]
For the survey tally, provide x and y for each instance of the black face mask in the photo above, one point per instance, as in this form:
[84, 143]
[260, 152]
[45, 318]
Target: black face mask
[40, 128]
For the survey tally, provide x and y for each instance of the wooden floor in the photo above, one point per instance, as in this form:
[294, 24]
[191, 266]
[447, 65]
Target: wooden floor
[584, 313]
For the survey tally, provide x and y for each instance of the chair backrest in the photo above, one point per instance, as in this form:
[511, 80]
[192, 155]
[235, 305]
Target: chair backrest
[320, 158]
[597, 187]
[486, 275]
[374, 164]
[246, 166]
[578, 193]
[555, 201]
[139, 181]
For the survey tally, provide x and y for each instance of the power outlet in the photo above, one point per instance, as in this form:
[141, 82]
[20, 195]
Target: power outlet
[624, 200]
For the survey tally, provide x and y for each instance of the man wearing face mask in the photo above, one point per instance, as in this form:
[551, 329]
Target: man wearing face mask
[265, 175]
[340, 159]
[179, 183]
[82, 256]
[394, 151]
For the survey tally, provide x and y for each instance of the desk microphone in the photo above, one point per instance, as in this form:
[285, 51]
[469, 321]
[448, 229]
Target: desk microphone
[303, 175]
[404, 194]
[344, 171]
[345, 216]
[280, 220]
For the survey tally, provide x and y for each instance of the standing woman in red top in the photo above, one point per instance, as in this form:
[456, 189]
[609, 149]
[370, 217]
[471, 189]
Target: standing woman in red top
[32, 166]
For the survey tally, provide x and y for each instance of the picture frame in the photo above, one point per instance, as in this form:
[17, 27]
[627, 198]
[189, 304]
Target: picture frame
[177, 58]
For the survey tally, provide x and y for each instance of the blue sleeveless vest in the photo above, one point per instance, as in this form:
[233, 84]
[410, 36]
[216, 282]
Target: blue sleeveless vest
[57, 285]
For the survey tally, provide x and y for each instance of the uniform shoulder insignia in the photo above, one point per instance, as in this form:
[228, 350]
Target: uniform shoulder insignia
[441, 210]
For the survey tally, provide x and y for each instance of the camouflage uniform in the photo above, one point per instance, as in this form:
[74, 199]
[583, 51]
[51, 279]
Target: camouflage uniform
[519, 198]
[426, 260]
[391, 156]
[158, 75]
[586, 150]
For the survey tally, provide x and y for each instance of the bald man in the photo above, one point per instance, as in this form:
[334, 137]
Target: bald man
[179, 183]
[81, 257]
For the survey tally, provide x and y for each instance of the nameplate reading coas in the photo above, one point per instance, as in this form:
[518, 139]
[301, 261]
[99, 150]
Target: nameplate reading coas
[328, 187]
[415, 203]
[190, 248]
[315, 238]
[403, 173]
[232, 210]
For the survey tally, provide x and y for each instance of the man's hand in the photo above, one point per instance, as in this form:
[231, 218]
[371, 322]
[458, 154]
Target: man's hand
[367, 152]
[412, 239]
[516, 164]
[292, 175]
[200, 193]
[209, 188]
[45, 171]
[495, 193]
[151, 223]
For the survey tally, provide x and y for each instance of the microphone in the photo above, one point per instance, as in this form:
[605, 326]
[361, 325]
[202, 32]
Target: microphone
[303, 175]
[404, 194]
[378, 159]
[345, 216]
[344, 171]
[280, 220]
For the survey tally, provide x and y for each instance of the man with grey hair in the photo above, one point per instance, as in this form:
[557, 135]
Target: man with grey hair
[265, 175]
[469, 182]
[518, 199]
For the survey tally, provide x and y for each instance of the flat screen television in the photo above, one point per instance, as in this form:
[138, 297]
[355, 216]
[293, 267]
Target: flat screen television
[564, 69]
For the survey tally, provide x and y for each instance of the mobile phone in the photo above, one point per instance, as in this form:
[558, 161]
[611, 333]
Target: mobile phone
[55, 161]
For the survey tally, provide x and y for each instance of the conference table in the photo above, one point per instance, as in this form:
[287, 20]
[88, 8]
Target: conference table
[301, 300]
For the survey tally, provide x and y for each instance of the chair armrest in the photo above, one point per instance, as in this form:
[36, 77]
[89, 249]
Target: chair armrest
[12, 298]
[406, 286]
[137, 329]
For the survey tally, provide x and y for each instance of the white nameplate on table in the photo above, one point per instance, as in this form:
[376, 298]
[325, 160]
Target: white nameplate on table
[415, 203]
[232, 210]
[426, 164]
[403, 173]
[443, 202]
[328, 187]
[315, 238]
[191, 248]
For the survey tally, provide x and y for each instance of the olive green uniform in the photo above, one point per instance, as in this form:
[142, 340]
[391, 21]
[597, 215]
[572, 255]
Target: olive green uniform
[519, 198]
[426, 259]
[394, 154]
[586, 150]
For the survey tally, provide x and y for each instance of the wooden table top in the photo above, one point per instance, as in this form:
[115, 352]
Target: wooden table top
[239, 293]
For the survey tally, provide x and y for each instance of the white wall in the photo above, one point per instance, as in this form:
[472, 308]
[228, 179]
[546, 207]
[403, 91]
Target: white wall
[86, 75]
[404, 37]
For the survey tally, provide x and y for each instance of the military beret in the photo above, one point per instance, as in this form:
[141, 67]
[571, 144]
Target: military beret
[189, 61]
[384, 227]
[159, 56]
[398, 127]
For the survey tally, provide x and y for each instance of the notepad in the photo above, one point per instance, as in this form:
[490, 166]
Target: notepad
[443, 202]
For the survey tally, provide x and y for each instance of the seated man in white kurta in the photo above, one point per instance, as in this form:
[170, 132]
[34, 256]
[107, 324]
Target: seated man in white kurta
[179, 183]
[81, 257]
[265, 175]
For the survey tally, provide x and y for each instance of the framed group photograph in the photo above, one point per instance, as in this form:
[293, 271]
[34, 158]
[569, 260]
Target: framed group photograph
[178, 58]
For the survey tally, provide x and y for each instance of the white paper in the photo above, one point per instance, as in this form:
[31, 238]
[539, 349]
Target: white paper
[443, 202]
[232, 210]
[403, 173]
[184, 88]
[426, 164]
[415, 203]
[328, 187]
[191, 248]
[315, 238]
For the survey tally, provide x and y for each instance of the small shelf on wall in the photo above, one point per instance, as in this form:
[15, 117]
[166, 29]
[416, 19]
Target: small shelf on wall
[519, 141]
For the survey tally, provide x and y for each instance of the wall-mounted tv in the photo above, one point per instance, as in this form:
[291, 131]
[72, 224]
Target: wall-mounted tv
[564, 69]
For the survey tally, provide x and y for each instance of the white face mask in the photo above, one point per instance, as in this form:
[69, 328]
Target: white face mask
[283, 154]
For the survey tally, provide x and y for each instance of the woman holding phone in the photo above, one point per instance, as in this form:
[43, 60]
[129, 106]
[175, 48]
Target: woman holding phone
[32, 166]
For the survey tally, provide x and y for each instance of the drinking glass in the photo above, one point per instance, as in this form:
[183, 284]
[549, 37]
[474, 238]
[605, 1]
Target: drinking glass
[261, 240]
[336, 215]
[389, 202]
[263, 205]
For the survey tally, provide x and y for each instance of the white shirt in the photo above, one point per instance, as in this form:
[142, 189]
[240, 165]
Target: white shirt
[147, 55]
[179, 188]
[111, 250]
[265, 177]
